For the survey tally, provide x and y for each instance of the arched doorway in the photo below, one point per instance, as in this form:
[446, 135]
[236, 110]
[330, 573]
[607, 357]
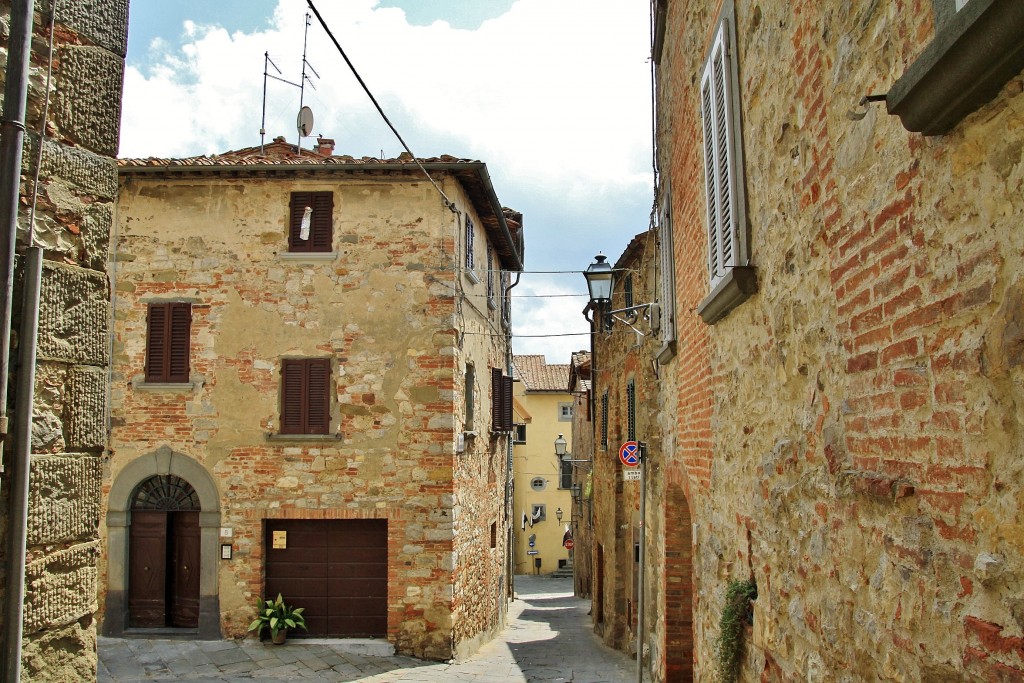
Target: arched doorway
[164, 554]
[679, 587]
[158, 505]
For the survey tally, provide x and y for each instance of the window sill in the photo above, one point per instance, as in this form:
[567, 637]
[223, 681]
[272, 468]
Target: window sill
[666, 353]
[970, 59]
[305, 437]
[738, 285]
[308, 256]
[472, 276]
[165, 387]
[491, 305]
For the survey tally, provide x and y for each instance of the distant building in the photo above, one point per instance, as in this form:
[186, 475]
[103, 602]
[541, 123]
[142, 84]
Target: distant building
[311, 395]
[543, 411]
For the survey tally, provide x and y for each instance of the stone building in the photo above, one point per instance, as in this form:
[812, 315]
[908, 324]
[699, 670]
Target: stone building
[72, 151]
[582, 513]
[542, 411]
[311, 395]
[624, 391]
[841, 400]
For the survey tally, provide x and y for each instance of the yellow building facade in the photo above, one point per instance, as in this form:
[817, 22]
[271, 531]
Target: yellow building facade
[542, 507]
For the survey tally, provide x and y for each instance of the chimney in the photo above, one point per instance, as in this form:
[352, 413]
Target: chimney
[324, 146]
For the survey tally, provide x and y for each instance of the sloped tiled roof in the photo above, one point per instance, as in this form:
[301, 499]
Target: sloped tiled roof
[537, 375]
[281, 159]
[579, 371]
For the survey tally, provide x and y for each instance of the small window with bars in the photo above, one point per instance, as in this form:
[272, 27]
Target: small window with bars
[631, 411]
[470, 262]
[305, 396]
[168, 335]
[604, 420]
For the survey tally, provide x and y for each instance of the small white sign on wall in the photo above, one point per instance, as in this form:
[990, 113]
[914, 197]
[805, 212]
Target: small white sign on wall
[631, 475]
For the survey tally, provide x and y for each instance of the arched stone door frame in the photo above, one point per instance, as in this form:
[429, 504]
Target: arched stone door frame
[162, 461]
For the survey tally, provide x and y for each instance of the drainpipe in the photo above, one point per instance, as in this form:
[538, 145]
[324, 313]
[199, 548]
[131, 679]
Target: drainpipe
[510, 556]
[12, 135]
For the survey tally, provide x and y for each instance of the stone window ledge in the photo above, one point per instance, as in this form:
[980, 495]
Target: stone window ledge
[973, 55]
[305, 437]
[165, 387]
[308, 256]
[738, 285]
[472, 276]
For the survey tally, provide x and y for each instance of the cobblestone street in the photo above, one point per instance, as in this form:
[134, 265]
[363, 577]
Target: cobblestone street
[548, 638]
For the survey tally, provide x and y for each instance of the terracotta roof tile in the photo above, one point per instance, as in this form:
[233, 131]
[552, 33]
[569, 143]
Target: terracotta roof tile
[537, 375]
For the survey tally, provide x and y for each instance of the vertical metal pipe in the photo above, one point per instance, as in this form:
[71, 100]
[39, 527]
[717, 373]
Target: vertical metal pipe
[12, 136]
[18, 511]
[642, 565]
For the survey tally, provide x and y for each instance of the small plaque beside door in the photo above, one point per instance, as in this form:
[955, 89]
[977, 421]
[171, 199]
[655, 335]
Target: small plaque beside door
[279, 540]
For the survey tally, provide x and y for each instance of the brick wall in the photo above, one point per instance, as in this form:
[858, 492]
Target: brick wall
[383, 310]
[851, 431]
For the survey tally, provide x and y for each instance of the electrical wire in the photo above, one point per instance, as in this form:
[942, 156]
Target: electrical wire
[447, 202]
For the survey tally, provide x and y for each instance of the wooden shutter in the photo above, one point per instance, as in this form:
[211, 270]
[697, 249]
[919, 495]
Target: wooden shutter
[321, 222]
[497, 400]
[667, 297]
[506, 403]
[168, 340]
[716, 113]
[292, 396]
[179, 341]
[305, 396]
[318, 396]
[156, 347]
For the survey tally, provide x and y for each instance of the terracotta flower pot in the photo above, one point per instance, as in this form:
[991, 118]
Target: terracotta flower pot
[280, 636]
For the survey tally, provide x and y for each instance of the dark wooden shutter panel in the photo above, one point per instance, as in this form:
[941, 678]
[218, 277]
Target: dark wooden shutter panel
[497, 395]
[299, 201]
[320, 232]
[506, 403]
[321, 223]
[318, 397]
[292, 396]
[179, 342]
[156, 350]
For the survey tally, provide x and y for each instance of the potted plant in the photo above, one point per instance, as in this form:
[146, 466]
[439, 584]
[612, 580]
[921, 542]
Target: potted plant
[278, 617]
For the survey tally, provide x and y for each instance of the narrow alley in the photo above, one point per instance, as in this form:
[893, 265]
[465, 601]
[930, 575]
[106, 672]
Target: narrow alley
[548, 638]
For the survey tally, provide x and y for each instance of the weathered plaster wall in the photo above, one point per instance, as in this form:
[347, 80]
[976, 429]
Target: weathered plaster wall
[861, 414]
[583, 424]
[384, 310]
[77, 187]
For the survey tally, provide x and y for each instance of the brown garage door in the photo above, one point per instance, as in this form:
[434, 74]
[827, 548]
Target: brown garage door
[336, 569]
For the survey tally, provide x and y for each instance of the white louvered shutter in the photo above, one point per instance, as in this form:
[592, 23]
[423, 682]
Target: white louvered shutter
[719, 157]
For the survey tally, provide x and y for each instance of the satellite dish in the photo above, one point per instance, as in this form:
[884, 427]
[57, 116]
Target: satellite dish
[304, 121]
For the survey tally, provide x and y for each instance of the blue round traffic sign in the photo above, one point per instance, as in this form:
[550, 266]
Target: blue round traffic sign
[629, 454]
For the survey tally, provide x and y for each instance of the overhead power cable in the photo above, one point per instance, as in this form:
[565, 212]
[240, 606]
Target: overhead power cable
[447, 202]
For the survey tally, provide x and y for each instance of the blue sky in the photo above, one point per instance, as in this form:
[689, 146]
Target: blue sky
[552, 94]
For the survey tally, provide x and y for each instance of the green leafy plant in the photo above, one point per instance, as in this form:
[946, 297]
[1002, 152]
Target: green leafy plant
[735, 615]
[277, 616]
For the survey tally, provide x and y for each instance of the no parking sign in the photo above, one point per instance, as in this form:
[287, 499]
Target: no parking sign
[629, 454]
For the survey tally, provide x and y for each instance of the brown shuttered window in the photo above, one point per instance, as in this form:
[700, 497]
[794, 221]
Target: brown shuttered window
[320, 238]
[168, 337]
[305, 396]
[501, 401]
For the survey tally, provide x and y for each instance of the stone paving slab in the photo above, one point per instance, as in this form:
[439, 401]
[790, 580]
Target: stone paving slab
[548, 639]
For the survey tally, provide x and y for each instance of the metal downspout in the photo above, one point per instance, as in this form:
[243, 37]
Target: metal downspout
[510, 559]
[12, 136]
[14, 609]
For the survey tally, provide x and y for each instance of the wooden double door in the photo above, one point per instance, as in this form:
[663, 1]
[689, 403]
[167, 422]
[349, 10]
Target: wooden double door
[163, 576]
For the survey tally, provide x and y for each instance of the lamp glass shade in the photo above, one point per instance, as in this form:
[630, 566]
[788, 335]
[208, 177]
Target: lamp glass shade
[558, 514]
[560, 446]
[600, 277]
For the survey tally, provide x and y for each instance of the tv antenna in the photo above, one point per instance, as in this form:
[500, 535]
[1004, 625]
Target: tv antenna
[304, 120]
